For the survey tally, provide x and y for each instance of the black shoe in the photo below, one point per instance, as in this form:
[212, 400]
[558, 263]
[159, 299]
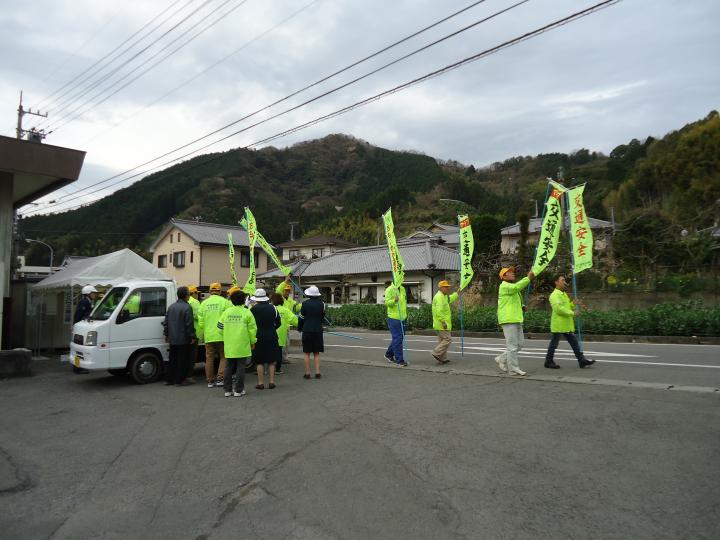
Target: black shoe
[584, 363]
[389, 359]
[551, 365]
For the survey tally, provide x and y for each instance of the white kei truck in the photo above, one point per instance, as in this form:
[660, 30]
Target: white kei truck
[124, 332]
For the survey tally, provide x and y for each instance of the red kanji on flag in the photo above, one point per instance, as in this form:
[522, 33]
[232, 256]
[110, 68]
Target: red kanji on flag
[581, 233]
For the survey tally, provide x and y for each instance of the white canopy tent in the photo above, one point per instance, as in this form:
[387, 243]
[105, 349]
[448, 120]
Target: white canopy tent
[103, 270]
[51, 308]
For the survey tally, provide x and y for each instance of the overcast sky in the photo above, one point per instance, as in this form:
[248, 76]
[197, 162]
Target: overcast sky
[638, 68]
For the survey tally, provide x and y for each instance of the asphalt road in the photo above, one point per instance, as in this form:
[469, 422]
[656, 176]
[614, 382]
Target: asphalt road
[366, 452]
[684, 367]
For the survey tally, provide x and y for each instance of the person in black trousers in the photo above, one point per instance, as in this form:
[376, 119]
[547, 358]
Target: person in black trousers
[312, 313]
[267, 351]
[82, 311]
[180, 334]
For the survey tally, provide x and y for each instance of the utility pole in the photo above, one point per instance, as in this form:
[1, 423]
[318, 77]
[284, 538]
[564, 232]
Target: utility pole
[292, 230]
[19, 131]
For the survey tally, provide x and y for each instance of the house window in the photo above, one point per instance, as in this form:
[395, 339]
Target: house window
[294, 254]
[245, 259]
[171, 238]
[191, 256]
[179, 259]
[412, 293]
[317, 252]
[368, 295]
[162, 261]
[178, 237]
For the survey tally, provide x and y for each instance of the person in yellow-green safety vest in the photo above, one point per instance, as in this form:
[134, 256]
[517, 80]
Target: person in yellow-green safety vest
[396, 304]
[287, 319]
[562, 324]
[208, 315]
[239, 332]
[510, 318]
[285, 290]
[442, 320]
[195, 305]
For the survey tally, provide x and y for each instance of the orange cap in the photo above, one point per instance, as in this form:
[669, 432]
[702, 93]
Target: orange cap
[505, 271]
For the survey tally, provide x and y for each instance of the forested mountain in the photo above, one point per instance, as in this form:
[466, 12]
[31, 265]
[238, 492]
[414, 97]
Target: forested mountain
[341, 185]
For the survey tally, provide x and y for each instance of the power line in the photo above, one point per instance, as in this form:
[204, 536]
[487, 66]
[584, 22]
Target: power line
[342, 70]
[450, 67]
[210, 67]
[220, 18]
[110, 53]
[107, 76]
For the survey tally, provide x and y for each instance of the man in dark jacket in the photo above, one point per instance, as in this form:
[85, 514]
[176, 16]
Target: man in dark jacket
[82, 311]
[180, 334]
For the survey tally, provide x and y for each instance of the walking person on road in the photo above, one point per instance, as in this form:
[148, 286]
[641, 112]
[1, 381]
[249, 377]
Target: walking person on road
[312, 313]
[442, 320]
[510, 318]
[267, 350]
[562, 324]
[180, 334]
[239, 332]
[396, 304]
[82, 311]
[208, 315]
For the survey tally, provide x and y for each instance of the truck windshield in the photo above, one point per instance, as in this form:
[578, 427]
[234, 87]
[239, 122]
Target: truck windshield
[108, 304]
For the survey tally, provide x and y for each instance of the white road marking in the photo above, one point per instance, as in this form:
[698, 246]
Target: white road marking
[538, 357]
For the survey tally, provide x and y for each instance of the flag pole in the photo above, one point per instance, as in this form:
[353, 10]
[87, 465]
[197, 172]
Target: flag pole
[460, 270]
[392, 269]
[574, 281]
[537, 246]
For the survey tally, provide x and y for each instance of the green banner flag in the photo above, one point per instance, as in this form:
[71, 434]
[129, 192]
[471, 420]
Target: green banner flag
[550, 232]
[249, 287]
[267, 248]
[467, 246]
[231, 259]
[580, 232]
[398, 266]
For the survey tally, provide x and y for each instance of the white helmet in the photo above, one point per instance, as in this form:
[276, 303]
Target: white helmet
[87, 289]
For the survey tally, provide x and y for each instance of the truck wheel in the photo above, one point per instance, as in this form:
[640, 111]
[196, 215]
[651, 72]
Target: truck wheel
[145, 367]
[118, 372]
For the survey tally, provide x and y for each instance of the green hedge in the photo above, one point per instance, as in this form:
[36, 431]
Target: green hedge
[685, 319]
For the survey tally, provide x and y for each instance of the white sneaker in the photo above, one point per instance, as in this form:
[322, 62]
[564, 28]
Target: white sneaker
[238, 394]
[211, 384]
[219, 383]
[228, 394]
[519, 372]
[501, 365]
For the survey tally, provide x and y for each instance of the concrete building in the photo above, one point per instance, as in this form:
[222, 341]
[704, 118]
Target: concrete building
[510, 236]
[194, 252]
[360, 275]
[28, 171]
[312, 247]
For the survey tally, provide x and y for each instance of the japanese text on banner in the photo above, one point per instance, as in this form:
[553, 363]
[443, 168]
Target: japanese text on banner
[398, 266]
[581, 234]
[267, 248]
[249, 287]
[231, 259]
[467, 246]
[550, 232]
